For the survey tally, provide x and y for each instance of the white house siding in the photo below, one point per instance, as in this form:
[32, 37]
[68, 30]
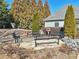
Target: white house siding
[52, 24]
[61, 23]
[49, 24]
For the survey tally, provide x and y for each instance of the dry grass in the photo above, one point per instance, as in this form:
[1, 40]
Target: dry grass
[13, 51]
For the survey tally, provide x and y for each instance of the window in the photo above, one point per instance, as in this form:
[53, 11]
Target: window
[56, 24]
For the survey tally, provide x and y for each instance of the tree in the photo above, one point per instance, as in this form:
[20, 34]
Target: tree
[4, 16]
[70, 23]
[46, 9]
[40, 12]
[23, 11]
[3, 9]
[35, 23]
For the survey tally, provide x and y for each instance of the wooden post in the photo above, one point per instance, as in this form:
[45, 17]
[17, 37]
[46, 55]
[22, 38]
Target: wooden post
[35, 42]
[58, 41]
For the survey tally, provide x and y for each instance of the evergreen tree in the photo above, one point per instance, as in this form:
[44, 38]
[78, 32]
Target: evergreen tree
[70, 23]
[23, 11]
[35, 23]
[3, 9]
[40, 12]
[4, 15]
[46, 10]
[33, 3]
[40, 6]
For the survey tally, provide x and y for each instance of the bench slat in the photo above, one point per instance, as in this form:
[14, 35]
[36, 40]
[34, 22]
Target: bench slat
[45, 38]
[46, 43]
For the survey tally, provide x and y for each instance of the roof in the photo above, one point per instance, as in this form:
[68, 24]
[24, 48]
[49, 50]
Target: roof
[60, 15]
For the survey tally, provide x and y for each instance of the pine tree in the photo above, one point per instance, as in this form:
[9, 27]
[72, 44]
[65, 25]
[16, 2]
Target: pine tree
[24, 10]
[46, 9]
[22, 13]
[3, 9]
[40, 6]
[33, 3]
[70, 23]
[4, 15]
[35, 23]
[40, 12]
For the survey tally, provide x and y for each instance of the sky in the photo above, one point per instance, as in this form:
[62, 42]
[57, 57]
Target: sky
[55, 5]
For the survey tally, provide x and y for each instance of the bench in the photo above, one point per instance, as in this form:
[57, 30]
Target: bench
[46, 38]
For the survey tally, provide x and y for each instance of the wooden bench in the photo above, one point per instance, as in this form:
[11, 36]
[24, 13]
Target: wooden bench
[46, 38]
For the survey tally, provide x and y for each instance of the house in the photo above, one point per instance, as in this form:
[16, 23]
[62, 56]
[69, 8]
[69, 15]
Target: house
[57, 20]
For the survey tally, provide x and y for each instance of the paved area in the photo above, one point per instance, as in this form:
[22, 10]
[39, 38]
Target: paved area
[30, 43]
[6, 35]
